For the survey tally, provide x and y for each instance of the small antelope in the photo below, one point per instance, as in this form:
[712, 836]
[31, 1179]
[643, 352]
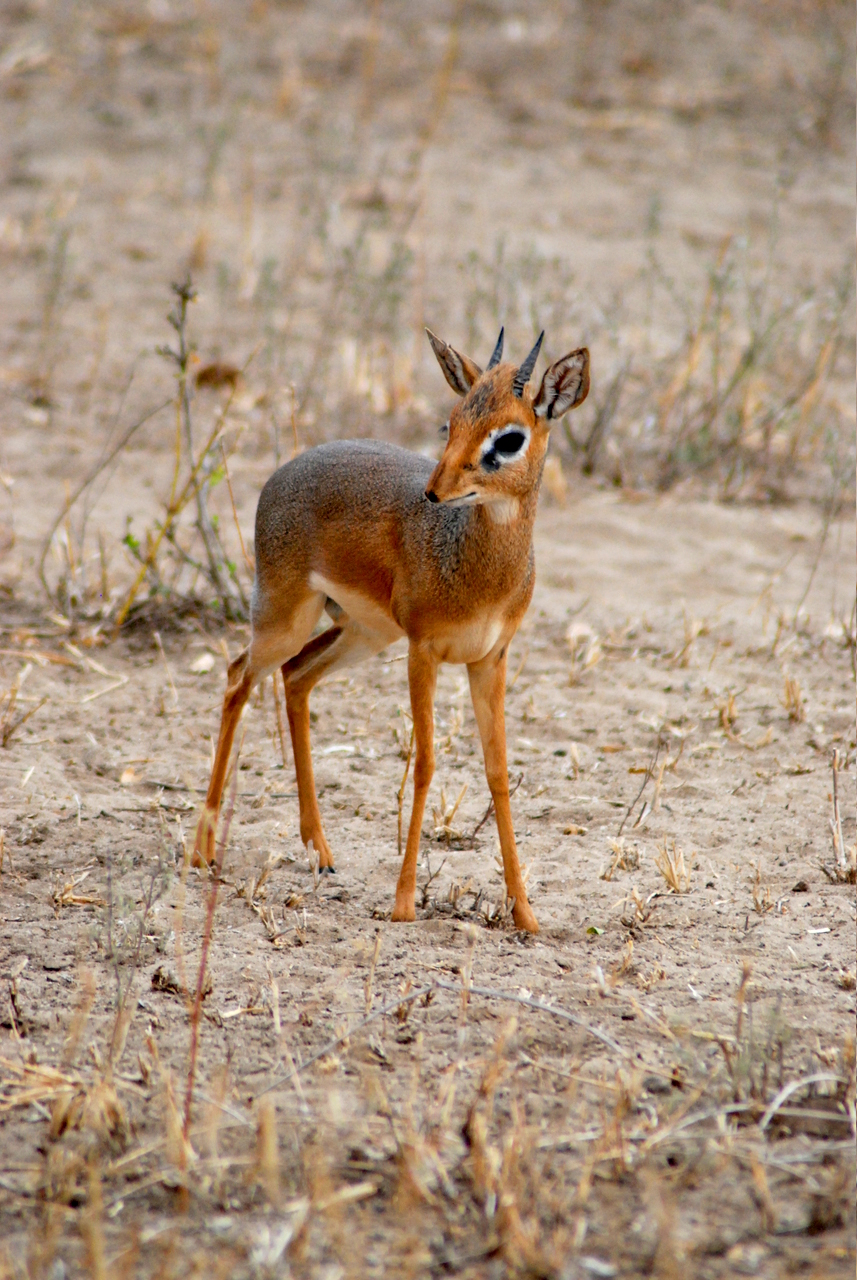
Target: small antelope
[390, 545]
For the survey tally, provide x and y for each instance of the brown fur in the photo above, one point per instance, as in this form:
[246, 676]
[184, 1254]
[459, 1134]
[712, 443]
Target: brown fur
[372, 533]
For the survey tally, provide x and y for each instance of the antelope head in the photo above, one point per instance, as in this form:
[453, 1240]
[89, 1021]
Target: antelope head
[498, 433]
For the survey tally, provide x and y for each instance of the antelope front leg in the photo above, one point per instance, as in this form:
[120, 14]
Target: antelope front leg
[422, 677]
[488, 691]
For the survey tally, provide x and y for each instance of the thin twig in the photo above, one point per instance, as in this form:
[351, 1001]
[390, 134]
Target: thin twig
[159, 643]
[491, 993]
[832, 508]
[838, 841]
[251, 568]
[487, 814]
[400, 798]
[196, 1011]
[86, 482]
[439, 984]
[649, 774]
[786, 1092]
[175, 506]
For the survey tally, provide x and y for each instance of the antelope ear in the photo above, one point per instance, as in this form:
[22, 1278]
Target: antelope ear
[459, 372]
[564, 386]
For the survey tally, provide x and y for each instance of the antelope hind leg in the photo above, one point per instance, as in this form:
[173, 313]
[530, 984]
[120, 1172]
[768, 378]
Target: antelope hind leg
[240, 680]
[342, 645]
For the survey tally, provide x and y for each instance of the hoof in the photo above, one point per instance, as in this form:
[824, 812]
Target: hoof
[204, 845]
[327, 871]
[524, 919]
[404, 914]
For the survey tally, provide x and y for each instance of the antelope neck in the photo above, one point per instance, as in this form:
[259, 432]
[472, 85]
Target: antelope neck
[507, 524]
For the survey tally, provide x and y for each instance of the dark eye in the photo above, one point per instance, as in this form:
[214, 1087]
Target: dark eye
[509, 442]
[444, 430]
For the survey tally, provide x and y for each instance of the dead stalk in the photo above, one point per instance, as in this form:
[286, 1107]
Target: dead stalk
[844, 861]
[836, 821]
[400, 797]
[370, 977]
[248, 563]
[487, 814]
[159, 643]
[9, 722]
[267, 1150]
[93, 1227]
[224, 585]
[88, 481]
[196, 1009]
[650, 770]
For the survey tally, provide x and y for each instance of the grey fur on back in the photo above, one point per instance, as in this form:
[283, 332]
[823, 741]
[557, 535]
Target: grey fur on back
[331, 479]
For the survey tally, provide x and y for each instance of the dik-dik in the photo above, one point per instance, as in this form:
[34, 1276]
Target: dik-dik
[390, 546]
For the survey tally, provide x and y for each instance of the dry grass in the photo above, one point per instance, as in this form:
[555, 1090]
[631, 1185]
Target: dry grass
[793, 700]
[443, 816]
[526, 1197]
[11, 719]
[669, 860]
[844, 869]
[585, 650]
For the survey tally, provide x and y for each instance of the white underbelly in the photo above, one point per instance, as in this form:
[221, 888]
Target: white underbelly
[470, 641]
[359, 607]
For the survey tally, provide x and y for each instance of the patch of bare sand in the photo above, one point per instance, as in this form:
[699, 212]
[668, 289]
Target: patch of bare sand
[648, 618]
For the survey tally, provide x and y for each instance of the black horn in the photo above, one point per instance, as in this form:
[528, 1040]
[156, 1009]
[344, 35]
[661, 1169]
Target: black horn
[522, 377]
[497, 353]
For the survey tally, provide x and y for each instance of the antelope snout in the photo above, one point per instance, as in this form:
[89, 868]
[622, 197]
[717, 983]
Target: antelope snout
[435, 482]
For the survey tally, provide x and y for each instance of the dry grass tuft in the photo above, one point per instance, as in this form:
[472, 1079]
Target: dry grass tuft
[761, 893]
[10, 723]
[95, 1108]
[585, 648]
[727, 711]
[443, 816]
[844, 869]
[693, 629]
[792, 699]
[268, 1151]
[66, 895]
[624, 859]
[669, 860]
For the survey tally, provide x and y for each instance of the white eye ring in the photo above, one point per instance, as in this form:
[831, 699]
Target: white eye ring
[501, 458]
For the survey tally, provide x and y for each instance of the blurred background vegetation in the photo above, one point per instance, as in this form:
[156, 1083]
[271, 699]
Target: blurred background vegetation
[670, 183]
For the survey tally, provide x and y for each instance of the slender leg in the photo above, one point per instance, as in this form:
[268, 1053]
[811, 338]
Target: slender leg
[299, 676]
[422, 678]
[272, 641]
[488, 691]
[240, 681]
[339, 646]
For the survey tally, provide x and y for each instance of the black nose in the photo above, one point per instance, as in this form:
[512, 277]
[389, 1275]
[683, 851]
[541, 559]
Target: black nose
[431, 495]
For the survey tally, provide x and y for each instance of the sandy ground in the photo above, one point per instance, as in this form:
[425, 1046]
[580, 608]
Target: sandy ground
[660, 1082]
[101, 785]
